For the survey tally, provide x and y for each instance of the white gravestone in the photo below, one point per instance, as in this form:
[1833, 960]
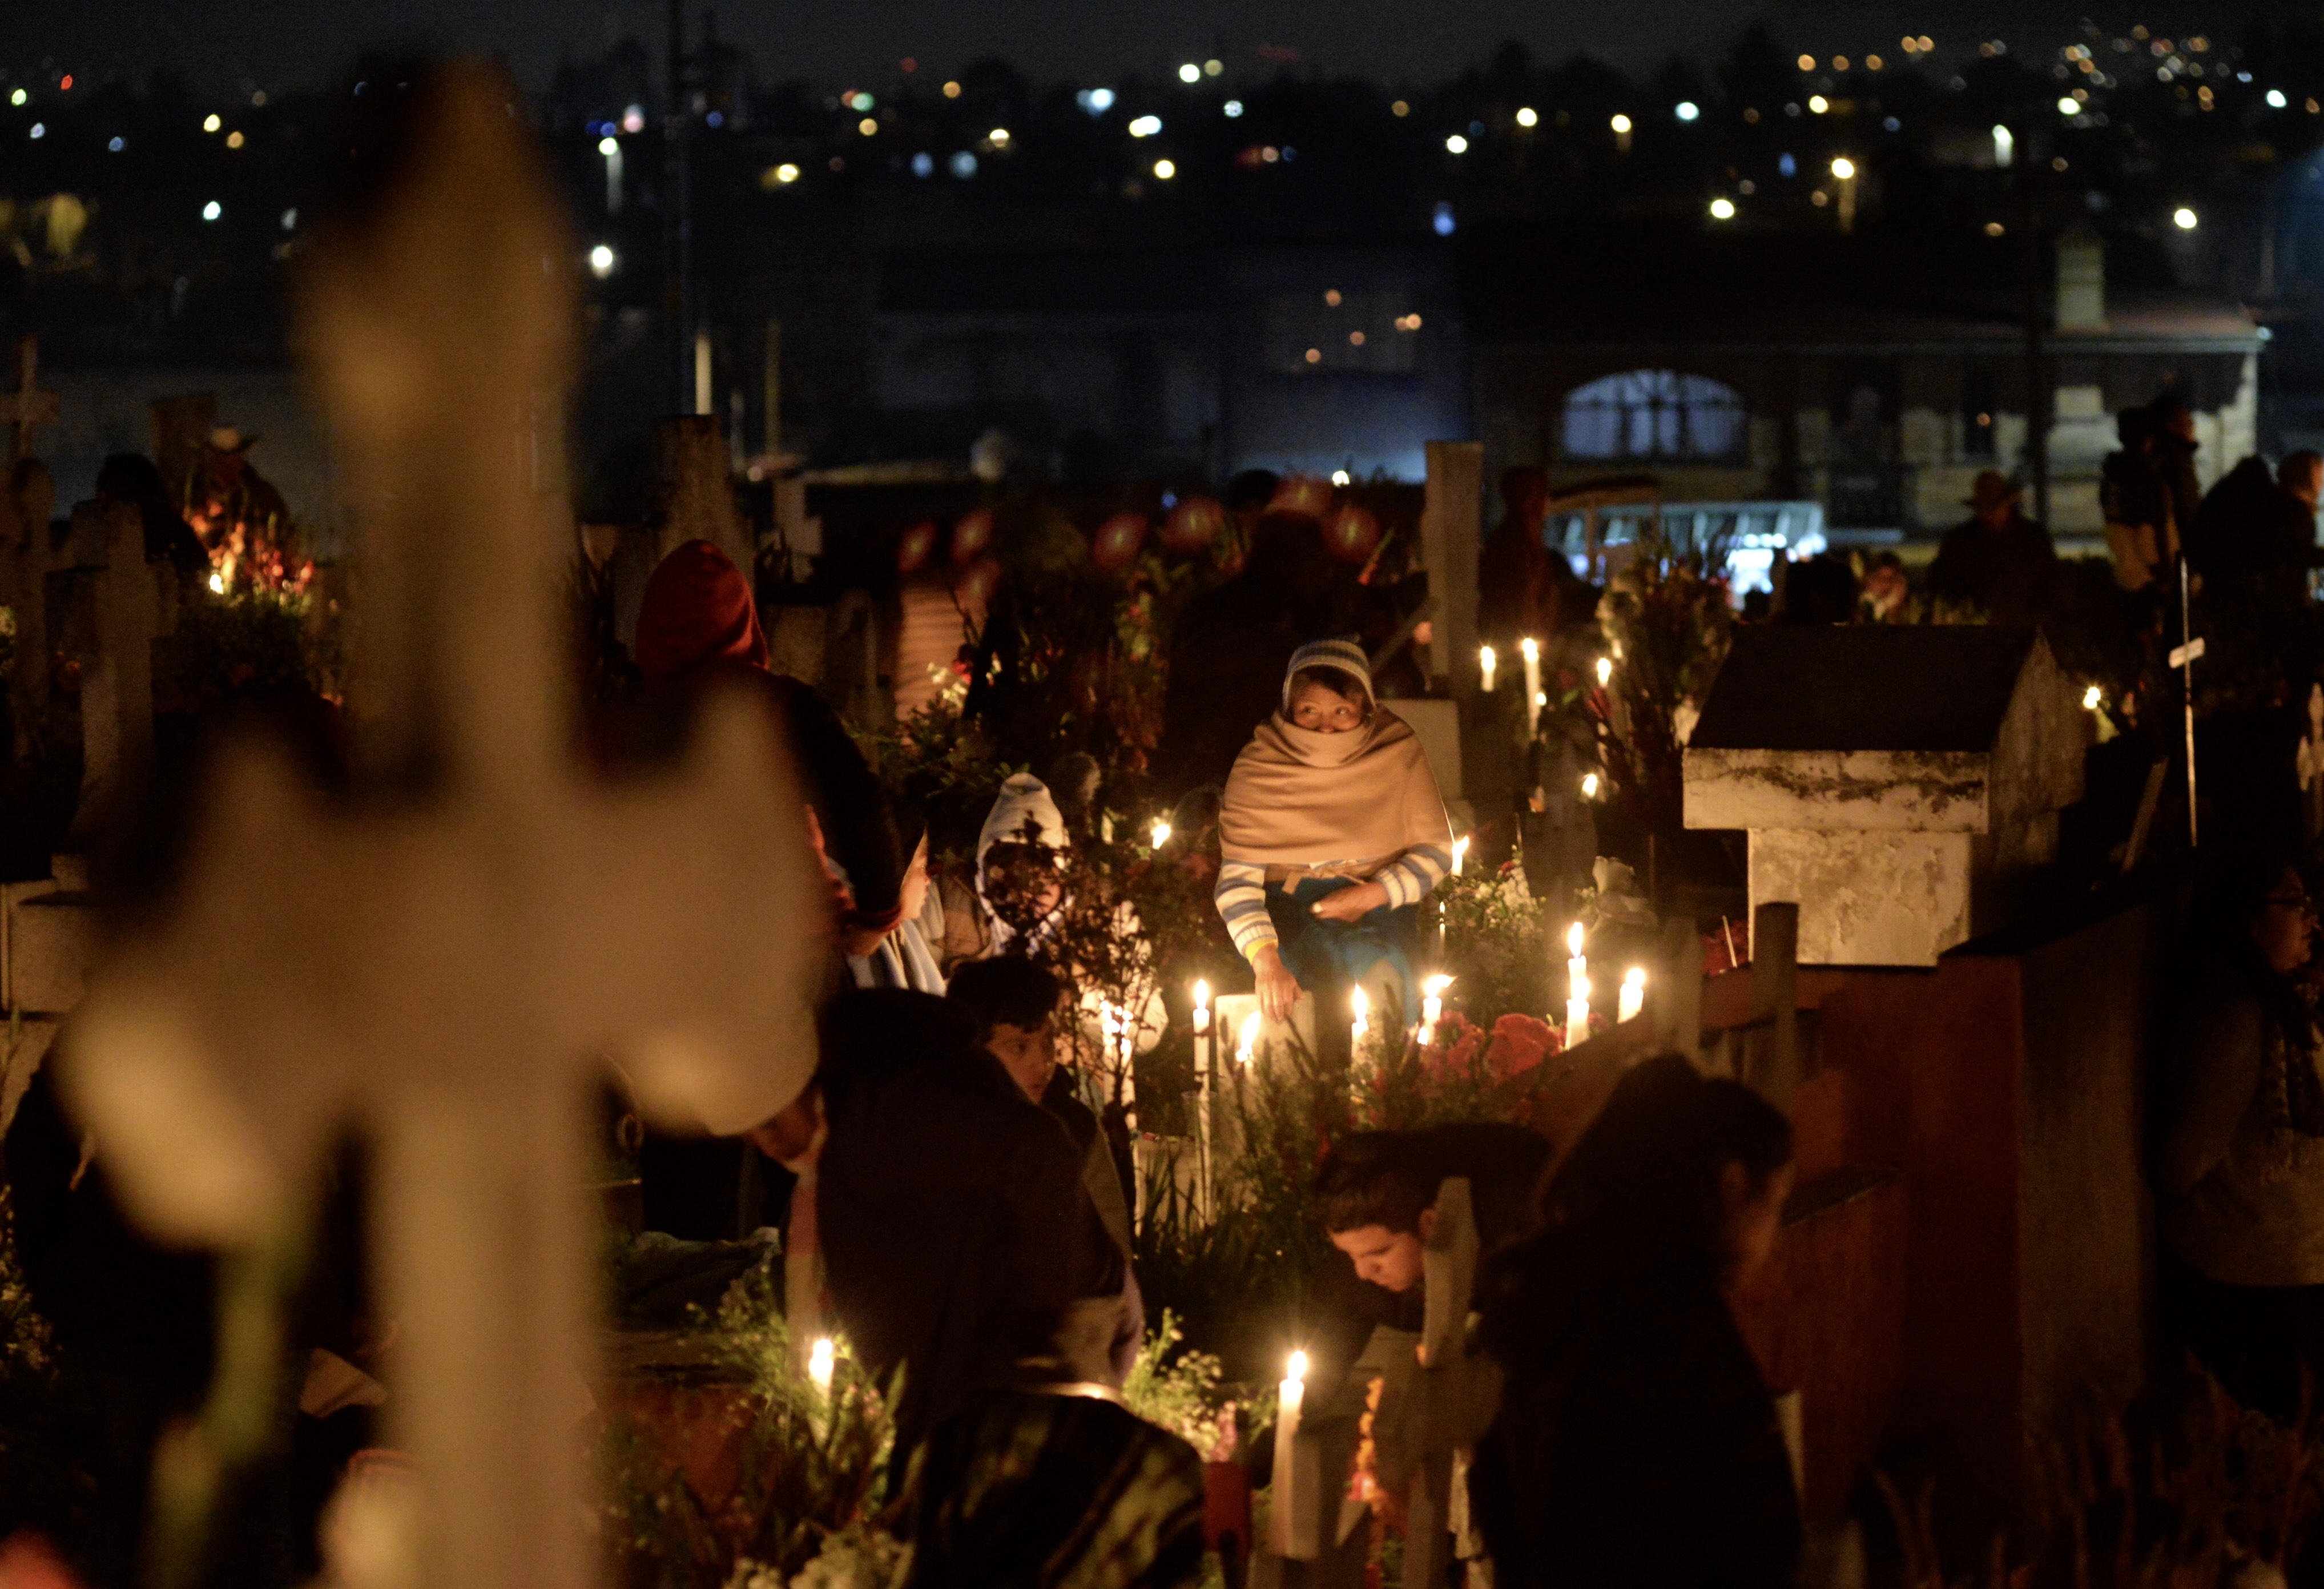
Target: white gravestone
[436, 959]
[1901, 785]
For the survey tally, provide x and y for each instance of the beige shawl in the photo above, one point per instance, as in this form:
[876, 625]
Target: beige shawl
[1297, 798]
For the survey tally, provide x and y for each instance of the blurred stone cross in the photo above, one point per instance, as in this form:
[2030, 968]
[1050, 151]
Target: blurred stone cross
[28, 406]
[436, 959]
[2183, 657]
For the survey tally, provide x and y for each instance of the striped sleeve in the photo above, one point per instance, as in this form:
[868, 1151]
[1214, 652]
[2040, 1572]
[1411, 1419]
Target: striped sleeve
[1241, 900]
[1415, 873]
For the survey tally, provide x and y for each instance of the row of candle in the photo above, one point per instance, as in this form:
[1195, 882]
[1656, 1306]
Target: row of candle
[1529, 648]
[1630, 1001]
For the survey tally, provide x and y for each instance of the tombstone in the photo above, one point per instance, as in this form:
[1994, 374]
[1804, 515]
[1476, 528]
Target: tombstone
[435, 963]
[127, 607]
[693, 491]
[27, 408]
[26, 567]
[1902, 785]
[1451, 518]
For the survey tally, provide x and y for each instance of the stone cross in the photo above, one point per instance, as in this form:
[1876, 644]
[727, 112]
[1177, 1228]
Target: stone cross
[437, 959]
[27, 408]
[2183, 657]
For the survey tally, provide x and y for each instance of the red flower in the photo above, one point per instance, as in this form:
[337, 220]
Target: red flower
[972, 535]
[913, 550]
[1117, 541]
[1192, 524]
[1519, 1043]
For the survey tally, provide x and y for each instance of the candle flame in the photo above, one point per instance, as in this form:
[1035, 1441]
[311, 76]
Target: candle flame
[1636, 977]
[1590, 786]
[1531, 647]
[1460, 853]
[1573, 941]
[2092, 698]
[1358, 1002]
[1248, 1039]
[1436, 985]
[1604, 671]
[1295, 1366]
[1485, 659]
[1201, 995]
[1161, 833]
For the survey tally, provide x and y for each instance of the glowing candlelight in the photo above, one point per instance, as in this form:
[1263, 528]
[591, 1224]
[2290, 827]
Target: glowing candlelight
[1577, 989]
[1432, 1005]
[819, 1361]
[1361, 1009]
[1460, 853]
[1530, 649]
[1289, 1397]
[1247, 1041]
[1202, 1008]
[1590, 786]
[1604, 671]
[1161, 833]
[1485, 663]
[1633, 995]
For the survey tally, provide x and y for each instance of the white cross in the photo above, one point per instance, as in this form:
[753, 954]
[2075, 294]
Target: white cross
[438, 959]
[27, 407]
[2183, 657]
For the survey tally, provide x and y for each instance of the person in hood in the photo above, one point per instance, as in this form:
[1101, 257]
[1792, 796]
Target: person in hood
[1020, 862]
[1330, 834]
[1636, 1445]
[697, 628]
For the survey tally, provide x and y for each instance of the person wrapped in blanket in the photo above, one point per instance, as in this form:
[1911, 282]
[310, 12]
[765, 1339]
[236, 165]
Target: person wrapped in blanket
[1331, 834]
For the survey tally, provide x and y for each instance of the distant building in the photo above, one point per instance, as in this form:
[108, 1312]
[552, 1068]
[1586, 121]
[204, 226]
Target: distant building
[1877, 379]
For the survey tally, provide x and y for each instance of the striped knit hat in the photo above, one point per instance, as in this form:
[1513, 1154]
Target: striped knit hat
[1342, 656]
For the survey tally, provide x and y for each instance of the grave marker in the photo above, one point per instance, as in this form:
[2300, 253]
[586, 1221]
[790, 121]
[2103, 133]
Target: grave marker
[27, 408]
[437, 960]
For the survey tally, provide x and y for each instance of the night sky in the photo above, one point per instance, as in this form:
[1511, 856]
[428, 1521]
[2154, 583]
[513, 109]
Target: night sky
[292, 42]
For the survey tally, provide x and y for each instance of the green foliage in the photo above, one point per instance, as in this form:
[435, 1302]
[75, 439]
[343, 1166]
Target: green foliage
[1667, 625]
[44, 1483]
[811, 1465]
[1499, 944]
[250, 641]
[1179, 1393]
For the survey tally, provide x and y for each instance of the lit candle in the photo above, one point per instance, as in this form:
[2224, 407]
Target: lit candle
[1590, 786]
[1361, 1009]
[1432, 1005]
[819, 1364]
[1161, 832]
[1530, 649]
[1604, 671]
[1247, 1041]
[1288, 1397]
[1485, 662]
[1633, 995]
[1577, 989]
[1202, 1031]
[1460, 853]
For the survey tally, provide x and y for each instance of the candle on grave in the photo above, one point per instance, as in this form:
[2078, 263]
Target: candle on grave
[1203, 1028]
[1530, 649]
[1359, 1009]
[1485, 664]
[1432, 1005]
[1460, 853]
[819, 1363]
[1577, 989]
[1288, 1397]
[1161, 832]
[1633, 995]
[1247, 1041]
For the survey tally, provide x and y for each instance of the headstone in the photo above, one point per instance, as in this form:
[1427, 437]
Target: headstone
[1451, 516]
[1900, 785]
[26, 562]
[693, 490]
[116, 689]
[435, 964]
[27, 408]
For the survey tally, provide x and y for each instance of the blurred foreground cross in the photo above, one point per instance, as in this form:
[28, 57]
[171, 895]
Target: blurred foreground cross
[436, 959]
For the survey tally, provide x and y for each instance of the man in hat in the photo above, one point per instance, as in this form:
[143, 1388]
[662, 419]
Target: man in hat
[243, 522]
[1997, 559]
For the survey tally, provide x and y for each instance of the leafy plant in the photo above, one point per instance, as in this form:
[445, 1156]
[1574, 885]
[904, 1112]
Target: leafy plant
[1667, 625]
[1175, 1390]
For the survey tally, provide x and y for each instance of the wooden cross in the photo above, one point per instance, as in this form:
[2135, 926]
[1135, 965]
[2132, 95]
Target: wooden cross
[2183, 657]
[27, 407]
[437, 959]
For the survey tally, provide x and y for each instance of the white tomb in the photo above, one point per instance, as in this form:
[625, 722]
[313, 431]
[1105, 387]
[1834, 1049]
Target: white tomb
[1901, 785]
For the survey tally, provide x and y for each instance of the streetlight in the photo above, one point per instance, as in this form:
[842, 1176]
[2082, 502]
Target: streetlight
[1622, 126]
[1844, 169]
[1456, 144]
[602, 261]
[2183, 218]
[1722, 210]
[2069, 106]
[611, 148]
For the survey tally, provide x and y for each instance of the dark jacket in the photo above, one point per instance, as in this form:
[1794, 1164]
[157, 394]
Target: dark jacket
[956, 1231]
[2011, 572]
[1635, 1447]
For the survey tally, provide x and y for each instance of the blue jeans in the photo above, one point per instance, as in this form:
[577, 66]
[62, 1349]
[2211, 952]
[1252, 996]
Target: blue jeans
[1327, 956]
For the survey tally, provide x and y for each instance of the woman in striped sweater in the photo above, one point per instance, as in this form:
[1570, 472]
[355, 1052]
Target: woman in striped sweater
[1331, 834]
